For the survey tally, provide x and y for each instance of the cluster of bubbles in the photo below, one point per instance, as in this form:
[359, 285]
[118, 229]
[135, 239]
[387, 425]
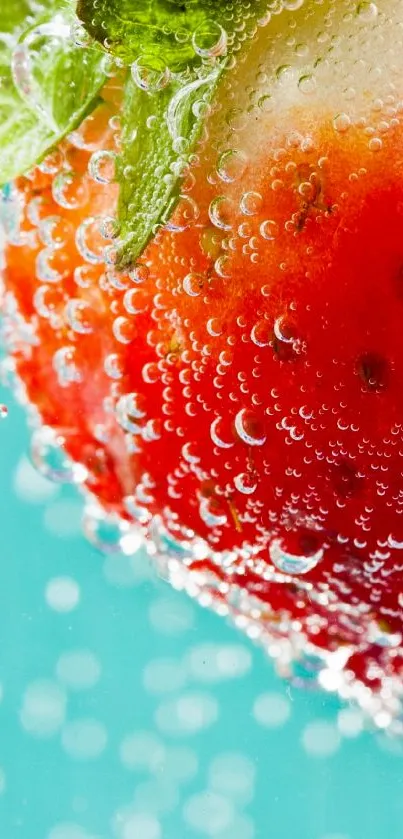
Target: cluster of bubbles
[297, 62]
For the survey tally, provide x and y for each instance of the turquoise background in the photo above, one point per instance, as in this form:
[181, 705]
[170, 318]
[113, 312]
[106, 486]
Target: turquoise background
[135, 714]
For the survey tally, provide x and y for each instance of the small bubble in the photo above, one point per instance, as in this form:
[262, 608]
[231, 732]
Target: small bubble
[307, 84]
[367, 11]
[90, 242]
[113, 366]
[79, 316]
[102, 167]
[129, 410]
[250, 203]
[193, 284]
[140, 273]
[150, 73]
[209, 40]
[306, 556]
[69, 190]
[341, 123]
[231, 165]
[249, 428]
[135, 301]
[185, 214]
[269, 229]
[220, 213]
[65, 367]
[245, 483]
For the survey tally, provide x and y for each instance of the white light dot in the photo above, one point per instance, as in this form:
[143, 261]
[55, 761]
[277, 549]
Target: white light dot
[180, 764]
[163, 675]
[67, 830]
[350, 722]
[208, 812]
[63, 518]
[62, 594]
[233, 775]
[141, 826]
[241, 827]
[78, 669]
[142, 750]
[271, 710]
[188, 714]
[156, 796]
[321, 739]
[171, 615]
[84, 739]
[217, 662]
[43, 708]
[29, 485]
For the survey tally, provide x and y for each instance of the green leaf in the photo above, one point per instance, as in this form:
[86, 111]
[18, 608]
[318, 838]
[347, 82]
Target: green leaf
[47, 82]
[129, 28]
[160, 130]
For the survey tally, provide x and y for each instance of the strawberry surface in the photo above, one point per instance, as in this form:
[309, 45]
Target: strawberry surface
[237, 393]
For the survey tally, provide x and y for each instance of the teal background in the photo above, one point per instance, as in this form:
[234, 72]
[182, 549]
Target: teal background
[135, 714]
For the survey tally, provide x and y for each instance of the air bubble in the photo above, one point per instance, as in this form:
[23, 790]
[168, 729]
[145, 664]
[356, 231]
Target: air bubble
[210, 512]
[129, 410]
[251, 203]
[245, 483]
[135, 301]
[51, 266]
[50, 458]
[150, 73]
[123, 330]
[367, 11]
[109, 533]
[80, 316]
[217, 435]
[69, 190]
[249, 428]
[102, 167]
[65, 367]
[294, 563]
[193, 284]
[209, 40]
[185, 214]
[341, 123]
[55, 231]
[307, 84]
[113, 366]
[90, 242]
[140, 273]
[220, 213]
[231, 165]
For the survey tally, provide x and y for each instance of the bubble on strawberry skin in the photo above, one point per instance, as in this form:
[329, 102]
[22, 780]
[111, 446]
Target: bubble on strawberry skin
[295, 562]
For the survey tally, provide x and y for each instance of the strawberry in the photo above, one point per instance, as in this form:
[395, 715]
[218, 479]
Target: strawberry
[237, 391]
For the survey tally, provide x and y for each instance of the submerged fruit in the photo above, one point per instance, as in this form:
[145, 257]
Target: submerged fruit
[238, 391]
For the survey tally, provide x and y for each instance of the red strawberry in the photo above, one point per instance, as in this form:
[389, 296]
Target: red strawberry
[239, 392]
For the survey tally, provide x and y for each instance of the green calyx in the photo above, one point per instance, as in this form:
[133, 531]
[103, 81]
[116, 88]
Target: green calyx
[177, 50]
